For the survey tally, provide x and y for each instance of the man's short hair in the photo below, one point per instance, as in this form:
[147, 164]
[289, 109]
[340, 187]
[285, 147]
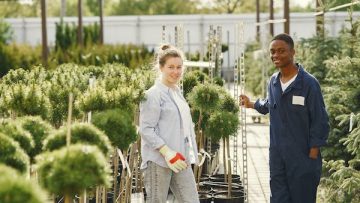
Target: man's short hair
[286, 38]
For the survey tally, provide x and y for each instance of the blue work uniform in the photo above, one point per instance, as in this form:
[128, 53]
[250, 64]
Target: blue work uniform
[298, 121]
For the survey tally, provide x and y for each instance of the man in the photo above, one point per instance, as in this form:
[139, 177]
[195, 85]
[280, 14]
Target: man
[298, 126]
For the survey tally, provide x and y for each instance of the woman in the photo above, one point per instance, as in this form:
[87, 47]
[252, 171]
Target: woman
[168, 146]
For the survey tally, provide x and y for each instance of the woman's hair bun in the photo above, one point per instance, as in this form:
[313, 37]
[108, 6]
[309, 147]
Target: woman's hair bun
[165, 47]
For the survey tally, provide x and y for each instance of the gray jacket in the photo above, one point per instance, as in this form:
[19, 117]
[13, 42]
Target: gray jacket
[161, 123]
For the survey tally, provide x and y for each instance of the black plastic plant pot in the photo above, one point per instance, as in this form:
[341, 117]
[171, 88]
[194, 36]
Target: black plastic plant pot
[204, 187]
[205, 198]
[204, 177]
[206, 165]
[214, 147]
[226, 199]
[223, 186]
[234, 193]
[109, 198]
[205, 192]
[221, 178]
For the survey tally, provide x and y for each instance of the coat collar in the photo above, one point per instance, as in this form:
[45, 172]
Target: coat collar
[298, 83]
[165, 88]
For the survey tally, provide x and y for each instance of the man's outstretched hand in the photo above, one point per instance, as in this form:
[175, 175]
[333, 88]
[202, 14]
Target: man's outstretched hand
[245, 101]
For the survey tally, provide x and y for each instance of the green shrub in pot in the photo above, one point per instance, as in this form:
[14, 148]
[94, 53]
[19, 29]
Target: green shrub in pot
[80, 133]
[19, 134]
[71, 170]
[189, 82]
[12, 154]
[15, 188]
[222, 124]
[118, 125]
[205, 97]
[39, 130]
[228, 103]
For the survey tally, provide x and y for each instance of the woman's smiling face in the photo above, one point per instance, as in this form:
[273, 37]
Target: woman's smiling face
[172, 71]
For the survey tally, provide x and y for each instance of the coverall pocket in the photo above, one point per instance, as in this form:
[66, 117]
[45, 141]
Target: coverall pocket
[297, 107]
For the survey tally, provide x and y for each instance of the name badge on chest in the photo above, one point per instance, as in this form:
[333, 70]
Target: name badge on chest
[298, 100]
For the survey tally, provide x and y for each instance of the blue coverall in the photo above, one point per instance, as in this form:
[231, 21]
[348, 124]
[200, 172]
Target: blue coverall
[298, 121]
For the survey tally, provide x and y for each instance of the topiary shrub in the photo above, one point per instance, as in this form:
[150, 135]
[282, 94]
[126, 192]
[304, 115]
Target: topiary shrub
[39, 130]
[221, 125]
[12, 154]
[80, 133]
[100, 99]
[228, 103]
[118, 125]
[205, 97]
[25, 99]
[14, 76]
[201, 76]
[7, 171]
[204, 100]
[219, 81]
[59, 96]
[17, 189]
[73, 169]
[189, 82]
[93, 100]
[19, 134]
[200, 123]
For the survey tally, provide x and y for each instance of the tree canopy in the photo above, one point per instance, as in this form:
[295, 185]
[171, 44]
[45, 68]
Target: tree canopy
[13, 8]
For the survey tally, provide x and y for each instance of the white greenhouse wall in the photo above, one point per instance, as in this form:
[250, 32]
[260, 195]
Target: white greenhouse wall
[147, 29]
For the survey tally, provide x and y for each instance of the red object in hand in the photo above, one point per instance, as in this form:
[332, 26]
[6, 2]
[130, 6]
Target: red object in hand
[177, 157]
[174, 160]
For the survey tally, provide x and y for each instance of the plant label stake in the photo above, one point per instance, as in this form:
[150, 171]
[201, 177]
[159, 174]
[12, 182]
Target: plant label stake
[351, 121]
[68, 134]
[92, 81]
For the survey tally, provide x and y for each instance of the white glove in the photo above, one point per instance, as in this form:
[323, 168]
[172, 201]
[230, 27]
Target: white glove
[174, 160]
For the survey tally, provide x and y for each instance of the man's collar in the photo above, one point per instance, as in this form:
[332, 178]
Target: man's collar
[298, 80]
